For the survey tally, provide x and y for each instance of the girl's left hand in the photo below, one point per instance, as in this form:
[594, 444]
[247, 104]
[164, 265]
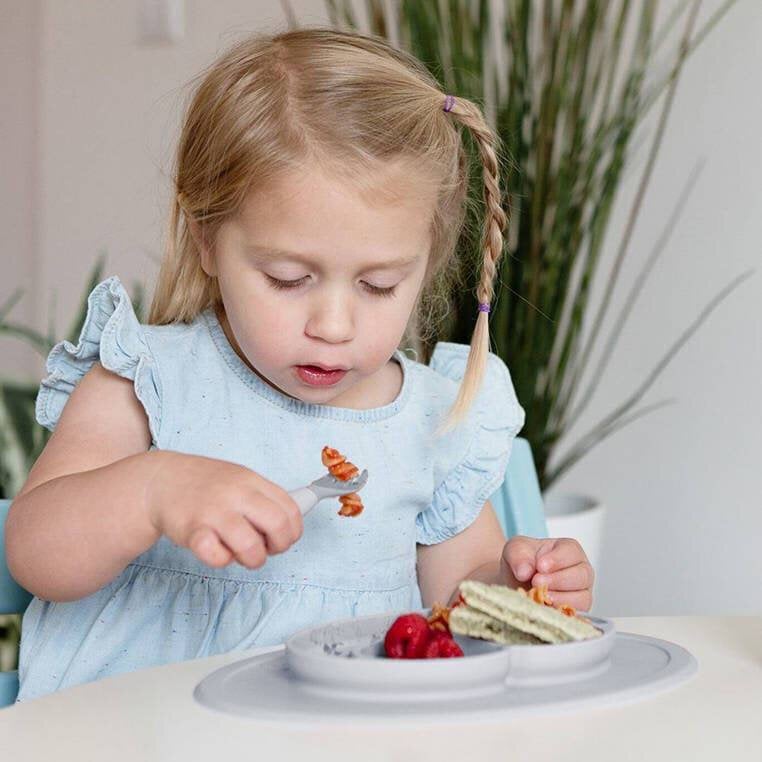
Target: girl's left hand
[561, 564]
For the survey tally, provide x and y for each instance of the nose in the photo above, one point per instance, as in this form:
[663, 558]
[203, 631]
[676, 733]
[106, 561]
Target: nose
[331, 317]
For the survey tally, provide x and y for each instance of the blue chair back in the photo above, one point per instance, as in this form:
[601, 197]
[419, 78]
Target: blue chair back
[518, 502]
[13, 600]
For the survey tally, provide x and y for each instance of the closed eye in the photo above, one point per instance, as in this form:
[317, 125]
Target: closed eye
[290, 284]
[377, 290]
[279, 284]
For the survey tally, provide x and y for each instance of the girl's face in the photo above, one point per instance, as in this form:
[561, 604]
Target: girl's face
[312, 275]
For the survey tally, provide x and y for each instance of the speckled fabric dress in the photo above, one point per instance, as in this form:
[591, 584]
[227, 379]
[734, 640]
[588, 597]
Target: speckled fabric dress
[201, 398]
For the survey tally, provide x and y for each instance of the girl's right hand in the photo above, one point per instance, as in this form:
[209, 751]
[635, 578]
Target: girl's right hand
[221, 511]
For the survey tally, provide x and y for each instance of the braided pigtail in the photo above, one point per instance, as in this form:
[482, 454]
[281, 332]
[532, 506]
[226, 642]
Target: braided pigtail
[469, 115]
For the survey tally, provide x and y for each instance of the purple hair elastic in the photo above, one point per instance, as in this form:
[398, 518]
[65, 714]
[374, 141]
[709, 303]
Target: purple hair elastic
[483, 307]
[449, 102]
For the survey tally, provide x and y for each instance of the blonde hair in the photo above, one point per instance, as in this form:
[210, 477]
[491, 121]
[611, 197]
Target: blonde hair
[351, 103]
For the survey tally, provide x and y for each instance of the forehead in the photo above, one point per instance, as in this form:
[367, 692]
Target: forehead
[388, 218]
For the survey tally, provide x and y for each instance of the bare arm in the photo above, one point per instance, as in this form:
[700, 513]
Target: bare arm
[474, 553]
[81, 516]
[480, 552]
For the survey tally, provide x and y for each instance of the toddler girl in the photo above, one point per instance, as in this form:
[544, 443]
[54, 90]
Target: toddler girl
[320, 190]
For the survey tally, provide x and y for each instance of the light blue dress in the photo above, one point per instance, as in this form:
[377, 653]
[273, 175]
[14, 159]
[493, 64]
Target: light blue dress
[201, 398]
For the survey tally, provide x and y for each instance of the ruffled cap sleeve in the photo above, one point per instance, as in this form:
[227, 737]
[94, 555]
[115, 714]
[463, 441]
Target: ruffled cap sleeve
[492, 423]
[113, 336]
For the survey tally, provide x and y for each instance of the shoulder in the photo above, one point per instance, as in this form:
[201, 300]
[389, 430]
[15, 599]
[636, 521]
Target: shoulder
[179, 349]
[494, 418]
[470, 460]
[449, 360]
[176, 335]
[440, 381]
[172, 332]
[436, 389]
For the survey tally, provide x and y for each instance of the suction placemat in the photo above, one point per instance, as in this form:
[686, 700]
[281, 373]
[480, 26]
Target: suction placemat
[264, 688]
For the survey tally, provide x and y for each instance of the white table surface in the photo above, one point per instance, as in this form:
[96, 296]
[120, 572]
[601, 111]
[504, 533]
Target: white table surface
[151, 715]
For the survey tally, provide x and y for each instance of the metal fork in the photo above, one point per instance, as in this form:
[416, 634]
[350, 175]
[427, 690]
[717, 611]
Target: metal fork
[327, 486]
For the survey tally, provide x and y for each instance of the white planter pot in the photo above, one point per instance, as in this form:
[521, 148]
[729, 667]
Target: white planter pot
[580, 517]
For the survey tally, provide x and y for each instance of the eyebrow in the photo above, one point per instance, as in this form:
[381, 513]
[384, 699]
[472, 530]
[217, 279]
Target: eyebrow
[264, 253]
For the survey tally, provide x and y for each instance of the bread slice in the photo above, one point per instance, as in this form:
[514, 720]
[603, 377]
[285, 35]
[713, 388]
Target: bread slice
[513, 609]
[465, 620]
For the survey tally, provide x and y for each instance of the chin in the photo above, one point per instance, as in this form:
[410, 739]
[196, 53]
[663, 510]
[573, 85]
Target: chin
[294, 387]
[321, 394]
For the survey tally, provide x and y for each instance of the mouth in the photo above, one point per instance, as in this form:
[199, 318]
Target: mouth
[320, 375]
[320, 366]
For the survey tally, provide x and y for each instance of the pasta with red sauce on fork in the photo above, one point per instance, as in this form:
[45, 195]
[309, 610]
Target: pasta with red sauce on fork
[341, 468]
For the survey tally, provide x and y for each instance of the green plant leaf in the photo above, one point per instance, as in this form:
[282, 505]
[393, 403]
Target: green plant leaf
[569, 118]
[22, 439]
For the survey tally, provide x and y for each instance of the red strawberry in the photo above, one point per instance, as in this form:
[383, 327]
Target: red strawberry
[432, 648]
[407, 637]
[448, 648]
[441, 645]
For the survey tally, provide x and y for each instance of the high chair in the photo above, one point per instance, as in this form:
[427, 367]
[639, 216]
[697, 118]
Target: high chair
[518, 504]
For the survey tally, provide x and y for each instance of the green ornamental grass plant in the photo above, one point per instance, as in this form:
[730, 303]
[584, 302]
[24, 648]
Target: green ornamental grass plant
[22, 439]
[565, 85]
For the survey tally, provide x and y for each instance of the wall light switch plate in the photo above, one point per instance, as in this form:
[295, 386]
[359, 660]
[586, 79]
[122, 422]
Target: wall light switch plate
[162, 20]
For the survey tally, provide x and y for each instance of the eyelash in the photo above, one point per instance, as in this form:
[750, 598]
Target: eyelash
[286, 285]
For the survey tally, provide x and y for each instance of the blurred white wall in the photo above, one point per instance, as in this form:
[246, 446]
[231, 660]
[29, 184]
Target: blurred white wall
[683, 484]
[89, 115]
[19, 131]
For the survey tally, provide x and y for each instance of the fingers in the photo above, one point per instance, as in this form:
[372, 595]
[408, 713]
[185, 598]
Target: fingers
[280, 497]
[295, 518]
[520, 553]
[244, 541]
[558, 564]
[280, 528]
[567, 574]
[563, 553]
[246, 535]
[581, 600]
[210, 548]
[207, 546]
[573, 578]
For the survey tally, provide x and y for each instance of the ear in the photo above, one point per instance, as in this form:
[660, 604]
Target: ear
[208, 263]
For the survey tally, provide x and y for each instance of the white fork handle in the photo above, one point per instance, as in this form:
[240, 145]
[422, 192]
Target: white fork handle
[305, 498]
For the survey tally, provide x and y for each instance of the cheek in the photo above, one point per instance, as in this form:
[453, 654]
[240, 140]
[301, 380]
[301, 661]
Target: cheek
[261, 326]
[256, 317]
[380, 333]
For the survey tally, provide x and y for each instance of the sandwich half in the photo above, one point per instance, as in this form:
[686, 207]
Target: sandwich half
[504, 615]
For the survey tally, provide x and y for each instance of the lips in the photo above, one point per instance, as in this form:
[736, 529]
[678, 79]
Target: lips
[320, 366]
[318, 375]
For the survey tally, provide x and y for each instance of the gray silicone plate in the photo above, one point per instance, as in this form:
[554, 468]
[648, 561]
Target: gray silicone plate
[346, 659]
[336, 673]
